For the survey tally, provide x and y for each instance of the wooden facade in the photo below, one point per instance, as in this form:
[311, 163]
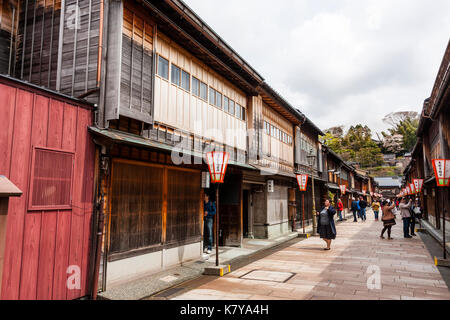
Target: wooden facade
[47, 153]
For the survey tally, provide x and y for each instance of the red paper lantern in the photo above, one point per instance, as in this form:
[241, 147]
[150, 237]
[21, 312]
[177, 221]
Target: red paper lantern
[442, 172]
[412, 188]
[217, 165]
[418, 184]
[302, 180]
[343, 188]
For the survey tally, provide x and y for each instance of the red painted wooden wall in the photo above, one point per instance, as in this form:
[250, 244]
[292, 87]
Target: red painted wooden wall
[40, 245]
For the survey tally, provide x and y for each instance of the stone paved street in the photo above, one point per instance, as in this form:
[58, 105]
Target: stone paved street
[305, 271]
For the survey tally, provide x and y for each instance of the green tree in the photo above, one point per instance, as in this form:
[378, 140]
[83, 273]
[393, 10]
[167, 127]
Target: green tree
[356, 145]
[402, 124]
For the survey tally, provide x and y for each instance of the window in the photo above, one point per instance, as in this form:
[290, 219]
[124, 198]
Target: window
[231, 106]
[212, 96]
[225, 104]
[195, 87]
[243, 113]
[218, 99]
[185, 80]
[163, 68]
[203, 91]
[51, 181]
[267, 128]
[175, 76]
[272, 130]
[238, 111]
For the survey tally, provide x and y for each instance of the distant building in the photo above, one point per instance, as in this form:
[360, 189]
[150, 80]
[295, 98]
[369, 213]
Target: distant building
[389, 186]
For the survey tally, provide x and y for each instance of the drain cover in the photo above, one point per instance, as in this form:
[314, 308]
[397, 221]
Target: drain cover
[266, 275]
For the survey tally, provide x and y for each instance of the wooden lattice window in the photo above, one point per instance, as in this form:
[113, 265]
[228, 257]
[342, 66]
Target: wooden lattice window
[51, 180]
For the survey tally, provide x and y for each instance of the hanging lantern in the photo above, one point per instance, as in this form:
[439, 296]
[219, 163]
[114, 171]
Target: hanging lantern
[408, 190]
[217, 165]
[418, 184]
[343, 188]
[442, 172]
[302, 180]
[412, 188]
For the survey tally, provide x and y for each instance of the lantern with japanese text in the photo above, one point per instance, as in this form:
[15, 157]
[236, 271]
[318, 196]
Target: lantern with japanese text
[343, 188]
[412, 188]
[418, 184]
[302, 180]
[217, 164]
[442, 172]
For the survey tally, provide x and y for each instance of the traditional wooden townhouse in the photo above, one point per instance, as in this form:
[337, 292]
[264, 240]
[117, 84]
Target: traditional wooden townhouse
[46, 151]
[433, 143]
[338, 174]
[165, 89]
[310, 160]
[272, 124]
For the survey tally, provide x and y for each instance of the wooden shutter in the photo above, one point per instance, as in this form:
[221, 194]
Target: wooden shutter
[51, 180]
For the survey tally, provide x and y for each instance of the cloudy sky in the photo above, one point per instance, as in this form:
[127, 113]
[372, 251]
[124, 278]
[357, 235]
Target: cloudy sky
[342, 62]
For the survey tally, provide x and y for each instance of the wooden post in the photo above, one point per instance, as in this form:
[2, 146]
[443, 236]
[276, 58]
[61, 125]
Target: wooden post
[303, 211]
[217, 224]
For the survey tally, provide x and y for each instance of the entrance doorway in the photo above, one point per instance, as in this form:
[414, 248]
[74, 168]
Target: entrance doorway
[245, 212]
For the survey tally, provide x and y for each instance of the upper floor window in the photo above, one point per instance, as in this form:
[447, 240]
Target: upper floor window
[231, 106]
[175, 75]
[225, 104]
[238, 111]
[212, 96]
[203, 91]
[195, 87]
[163, 68]
[218, 99]
[185, 80]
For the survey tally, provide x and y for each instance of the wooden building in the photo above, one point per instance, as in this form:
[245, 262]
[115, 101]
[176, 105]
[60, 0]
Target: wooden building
[167, 89]
[433, 143]
[45, 150]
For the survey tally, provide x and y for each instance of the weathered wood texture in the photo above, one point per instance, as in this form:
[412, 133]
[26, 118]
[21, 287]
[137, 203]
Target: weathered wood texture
[180, 108]
[41, 244]
[151, 205]
[8, 29]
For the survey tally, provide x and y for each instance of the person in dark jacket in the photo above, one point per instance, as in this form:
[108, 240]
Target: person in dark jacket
[325, 224]
[355, 209]
[363, 206]
[210, 212]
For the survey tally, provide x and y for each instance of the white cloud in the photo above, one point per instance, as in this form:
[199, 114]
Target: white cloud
[344, 62]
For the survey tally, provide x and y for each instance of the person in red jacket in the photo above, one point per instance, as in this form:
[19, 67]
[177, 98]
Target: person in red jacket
[340, 206]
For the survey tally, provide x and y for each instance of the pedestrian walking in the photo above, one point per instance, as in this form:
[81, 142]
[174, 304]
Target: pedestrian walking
[325, 224]
[388, 219]
[209, 213]
[363, 206]
[340, 206]
[355, 209]
[406, 216]
[376, 208]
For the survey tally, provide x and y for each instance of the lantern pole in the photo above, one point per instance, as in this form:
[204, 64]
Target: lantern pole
[217, 224]
[303, 211]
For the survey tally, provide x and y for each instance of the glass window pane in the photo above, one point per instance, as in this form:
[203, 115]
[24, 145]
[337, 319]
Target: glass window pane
[243, 114]
[195, 86]
[175, 75]
[218, 99]
[225, 104]
[232, 107]
[163, 68]
[238, 111]
[212, 95]
[203, 91]
[185, 80]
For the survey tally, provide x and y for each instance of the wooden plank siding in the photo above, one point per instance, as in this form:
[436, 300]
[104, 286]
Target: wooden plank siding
[8, 28]
[41, 244]
[180, 108]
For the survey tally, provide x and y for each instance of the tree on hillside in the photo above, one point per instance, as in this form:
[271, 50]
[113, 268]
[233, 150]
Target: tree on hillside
[356, 145]
[402, 124]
